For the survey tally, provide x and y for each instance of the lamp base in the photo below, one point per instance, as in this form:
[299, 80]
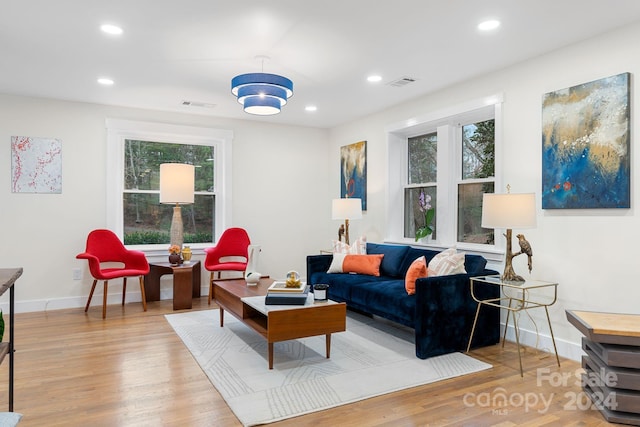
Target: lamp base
[176, 234]
[509, 274]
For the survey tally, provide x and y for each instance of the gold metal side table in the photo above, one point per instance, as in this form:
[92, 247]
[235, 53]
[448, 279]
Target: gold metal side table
[517, 294]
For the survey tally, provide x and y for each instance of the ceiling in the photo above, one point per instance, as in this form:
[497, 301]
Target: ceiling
[189, 50]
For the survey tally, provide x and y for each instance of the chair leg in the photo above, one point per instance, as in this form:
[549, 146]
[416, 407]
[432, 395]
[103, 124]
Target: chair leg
[144, 297]
[104, 300]
[93, 288]
[211, 286]
[124, 288]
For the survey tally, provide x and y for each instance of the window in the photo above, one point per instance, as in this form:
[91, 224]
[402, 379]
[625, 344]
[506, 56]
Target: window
[145, 220]
[450, 157]
[135, 152]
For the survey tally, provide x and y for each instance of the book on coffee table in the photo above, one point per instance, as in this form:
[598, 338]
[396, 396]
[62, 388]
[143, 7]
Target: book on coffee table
[282, 287]
[287, 298]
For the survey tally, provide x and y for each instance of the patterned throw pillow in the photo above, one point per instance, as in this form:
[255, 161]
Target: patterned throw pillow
[417, 269]
[361, 264]
[359, 247]
[447, 262]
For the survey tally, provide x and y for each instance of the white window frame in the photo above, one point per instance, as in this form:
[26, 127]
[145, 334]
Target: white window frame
[448, 123]
[120, 130]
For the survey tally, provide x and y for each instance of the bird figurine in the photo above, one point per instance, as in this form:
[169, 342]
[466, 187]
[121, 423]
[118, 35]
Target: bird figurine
[525, 248]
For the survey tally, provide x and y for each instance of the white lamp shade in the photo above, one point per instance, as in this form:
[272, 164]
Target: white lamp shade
[508, 210]
[346, 209]
[177, 181]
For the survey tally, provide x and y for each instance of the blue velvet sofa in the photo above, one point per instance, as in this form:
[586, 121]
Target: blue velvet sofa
[441, 311]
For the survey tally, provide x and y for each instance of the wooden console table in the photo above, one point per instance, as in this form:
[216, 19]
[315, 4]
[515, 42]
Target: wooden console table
[186, 282]
[612, 363]
[8, 277]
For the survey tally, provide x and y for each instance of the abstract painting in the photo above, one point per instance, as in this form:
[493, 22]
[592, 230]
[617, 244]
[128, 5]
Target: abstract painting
[585, 145]
[353, 168]
[36, 165]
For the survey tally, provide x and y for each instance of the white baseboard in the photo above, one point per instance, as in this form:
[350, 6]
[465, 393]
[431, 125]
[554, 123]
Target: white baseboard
[79, 302]
[543, 342]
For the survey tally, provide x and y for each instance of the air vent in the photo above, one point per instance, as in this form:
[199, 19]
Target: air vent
[198, 104]
[402, 81]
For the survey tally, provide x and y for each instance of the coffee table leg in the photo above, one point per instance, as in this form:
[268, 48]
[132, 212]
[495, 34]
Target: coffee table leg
[328, 345]
[270, 355]
[221, 317]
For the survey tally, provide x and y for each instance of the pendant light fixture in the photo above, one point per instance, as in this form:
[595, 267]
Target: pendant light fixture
[262, 94]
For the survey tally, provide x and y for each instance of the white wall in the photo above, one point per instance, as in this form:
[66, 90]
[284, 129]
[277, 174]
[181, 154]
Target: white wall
[591, 253]
[280, 195]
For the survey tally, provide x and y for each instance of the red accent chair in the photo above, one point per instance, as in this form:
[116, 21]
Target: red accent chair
[103, 246]
[231, 253]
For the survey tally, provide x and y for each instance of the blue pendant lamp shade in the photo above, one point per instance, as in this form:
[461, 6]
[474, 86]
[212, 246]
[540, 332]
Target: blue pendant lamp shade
[261, 93]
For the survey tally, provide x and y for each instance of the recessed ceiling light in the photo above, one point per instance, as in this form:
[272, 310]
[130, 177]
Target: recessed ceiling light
[311, 108]
[488, 25]
[374, 78]
[111, 29]
[105, 81]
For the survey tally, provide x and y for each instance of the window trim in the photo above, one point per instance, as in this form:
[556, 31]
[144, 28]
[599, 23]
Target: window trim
[447, 120]
[119, 130]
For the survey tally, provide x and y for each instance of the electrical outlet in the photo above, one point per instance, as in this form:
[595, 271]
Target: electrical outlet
[77, 274]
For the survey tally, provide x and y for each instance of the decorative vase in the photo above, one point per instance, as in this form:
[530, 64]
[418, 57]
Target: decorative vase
[186, 254]
[174, 259]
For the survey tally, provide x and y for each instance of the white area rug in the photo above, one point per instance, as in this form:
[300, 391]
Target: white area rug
[369, 359]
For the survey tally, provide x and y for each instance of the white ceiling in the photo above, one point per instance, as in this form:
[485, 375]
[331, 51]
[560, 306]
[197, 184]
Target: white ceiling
[173, 51]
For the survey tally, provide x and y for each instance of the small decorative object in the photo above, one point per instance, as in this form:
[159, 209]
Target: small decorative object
[424, 203]
[252, 276]
[186, 254]
[174, 254]
[320, 292]
[293, 280]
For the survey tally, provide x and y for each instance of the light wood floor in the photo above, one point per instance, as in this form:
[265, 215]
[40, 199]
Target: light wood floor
[76, 369]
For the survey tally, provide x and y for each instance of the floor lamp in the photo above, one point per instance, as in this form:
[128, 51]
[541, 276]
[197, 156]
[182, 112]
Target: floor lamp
[346, 209]
[510, 211]
[176, 188]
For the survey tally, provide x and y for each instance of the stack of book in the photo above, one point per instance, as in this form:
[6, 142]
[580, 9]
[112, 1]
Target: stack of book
[279, 294]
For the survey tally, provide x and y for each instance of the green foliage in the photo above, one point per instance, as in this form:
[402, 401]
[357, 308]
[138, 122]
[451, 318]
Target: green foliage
[156, 238]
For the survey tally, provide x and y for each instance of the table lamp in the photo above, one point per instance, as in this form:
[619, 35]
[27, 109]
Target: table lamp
[346, 209]
[177, 181]
[510, 211]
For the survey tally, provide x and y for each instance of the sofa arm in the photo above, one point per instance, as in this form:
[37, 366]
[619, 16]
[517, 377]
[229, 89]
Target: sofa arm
[317, 264]
[445, 311]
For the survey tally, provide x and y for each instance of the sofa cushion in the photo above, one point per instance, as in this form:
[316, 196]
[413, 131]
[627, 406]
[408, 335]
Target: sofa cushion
[361, 264]
[474, 264]
[340, 284]
[417, 269]
[447, 262]
[386, 298]
[414, 253]
[393, 258]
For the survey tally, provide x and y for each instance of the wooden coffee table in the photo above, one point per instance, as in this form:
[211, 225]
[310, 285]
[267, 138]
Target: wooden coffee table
[278, 322]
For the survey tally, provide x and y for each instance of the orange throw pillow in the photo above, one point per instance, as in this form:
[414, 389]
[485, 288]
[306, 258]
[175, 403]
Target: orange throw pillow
[361, 264]
[417, 269]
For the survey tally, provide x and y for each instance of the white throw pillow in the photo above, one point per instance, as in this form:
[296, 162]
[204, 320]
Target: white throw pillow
[447, 262]
[359, 247]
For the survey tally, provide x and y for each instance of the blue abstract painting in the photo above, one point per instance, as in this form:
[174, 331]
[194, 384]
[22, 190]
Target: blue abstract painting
[353, 168]
[585, 145]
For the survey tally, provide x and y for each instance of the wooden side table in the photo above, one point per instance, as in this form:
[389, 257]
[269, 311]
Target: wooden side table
[519, 299]
[186, 282]
[611, 363]
[8, 277]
